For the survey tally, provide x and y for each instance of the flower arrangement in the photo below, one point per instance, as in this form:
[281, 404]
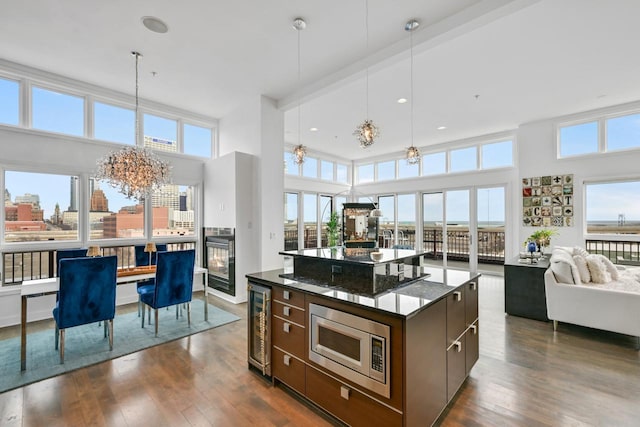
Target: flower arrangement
[541, 237]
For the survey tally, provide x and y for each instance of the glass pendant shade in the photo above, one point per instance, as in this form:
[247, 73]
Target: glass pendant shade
[413, 155]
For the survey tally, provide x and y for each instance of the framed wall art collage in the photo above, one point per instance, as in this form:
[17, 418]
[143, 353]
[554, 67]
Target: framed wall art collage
[547, 201]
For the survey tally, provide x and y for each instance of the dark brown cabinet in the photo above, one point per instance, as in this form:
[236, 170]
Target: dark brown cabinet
[288, 337]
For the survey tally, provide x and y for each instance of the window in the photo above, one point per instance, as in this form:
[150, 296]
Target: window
[387, 170]
[463, 159]
[406, 219]
[623, 132]
[290, 221]
[310, 205]
[435, 163]
[365, 173]
[114, 124]
[579, 139]
[310, 167]
[611, 207]
[40, 207]
[406, 170]
[112, 215]
[388, 220]
[197, 141]
[290, 166]
[160, 134]
[342, 173]
[326, 170]
[497, 155]
[173, 211]
[57, 112]
[10, 102]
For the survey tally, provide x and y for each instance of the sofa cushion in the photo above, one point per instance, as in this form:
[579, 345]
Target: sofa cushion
[598, 269]
[611, 267]
[564, 268]
[581, 263]
[577, 250]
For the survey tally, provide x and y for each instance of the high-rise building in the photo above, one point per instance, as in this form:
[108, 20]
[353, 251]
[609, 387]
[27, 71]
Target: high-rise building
[32, 199]
[160, 144]
[99, 202]
[73, 193]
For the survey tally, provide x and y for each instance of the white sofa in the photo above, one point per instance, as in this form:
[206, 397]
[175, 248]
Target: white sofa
[612, 306]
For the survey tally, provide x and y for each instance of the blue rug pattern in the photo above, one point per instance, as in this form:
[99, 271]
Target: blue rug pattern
[85, 345]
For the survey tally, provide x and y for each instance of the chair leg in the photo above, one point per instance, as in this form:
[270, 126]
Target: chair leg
[110, 333]
[189, 314]
[156, 315]
[61, 346]
[149, 316]
[177, 310]
[57, 336]
[105, 329]
[143, 308]
[139, 305]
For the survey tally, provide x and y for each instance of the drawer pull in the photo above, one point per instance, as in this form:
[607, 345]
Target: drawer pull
[286, 326]
[474, 328]
[286, 295]
[457, 296]
[458, 346]
[473, 286]
[286, 311]
[344, 392]
[287, 360]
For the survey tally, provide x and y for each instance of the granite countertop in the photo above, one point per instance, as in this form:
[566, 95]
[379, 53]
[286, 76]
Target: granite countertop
[405, 301]
[354, 255]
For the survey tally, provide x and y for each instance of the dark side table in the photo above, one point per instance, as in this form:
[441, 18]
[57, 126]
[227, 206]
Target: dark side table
[524, 293]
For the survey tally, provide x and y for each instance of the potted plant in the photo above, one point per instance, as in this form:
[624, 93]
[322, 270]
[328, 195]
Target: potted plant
[542, 237]
[332, 230]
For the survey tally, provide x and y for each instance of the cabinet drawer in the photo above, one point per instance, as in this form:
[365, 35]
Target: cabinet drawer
[289, 370]
[357, 410]
[473, 348]
[455, 315]
[471, 301]
[289, 297]
[294, 314]
[456, 366]
[291, 341]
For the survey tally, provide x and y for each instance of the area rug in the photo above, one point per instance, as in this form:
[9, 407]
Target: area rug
[85, 345]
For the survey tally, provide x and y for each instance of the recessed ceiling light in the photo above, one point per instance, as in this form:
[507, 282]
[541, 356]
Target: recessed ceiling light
[441, 127]
[154, 24]
[402, 100]
[314, 129]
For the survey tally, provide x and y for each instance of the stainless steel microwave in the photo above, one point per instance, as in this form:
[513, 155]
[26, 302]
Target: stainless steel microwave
[351, 346]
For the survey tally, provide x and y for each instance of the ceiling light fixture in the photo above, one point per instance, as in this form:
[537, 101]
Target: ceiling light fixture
[402, 100]
[314, 129]
[441, 127]
[134, 171]
[299, 151]
[366, 132]
[154, 24]
[413, 154]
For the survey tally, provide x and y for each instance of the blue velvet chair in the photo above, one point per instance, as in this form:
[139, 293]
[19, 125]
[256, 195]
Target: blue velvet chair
[174, 283]
[87, 295]
[142, 258]
[68, 253]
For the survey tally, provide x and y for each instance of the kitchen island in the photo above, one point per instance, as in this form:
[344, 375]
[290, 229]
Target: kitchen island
[379, 355]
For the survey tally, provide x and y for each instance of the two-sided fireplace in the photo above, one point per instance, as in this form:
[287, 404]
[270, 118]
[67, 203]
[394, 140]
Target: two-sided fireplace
[219, 253]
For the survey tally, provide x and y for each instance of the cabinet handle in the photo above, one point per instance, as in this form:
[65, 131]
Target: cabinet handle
[473, 286]
[285, 327]
[457, 296]
[286, 295]
[474, 328]
[286, 311]
[287, 360]
[458, 345]
[344, 392]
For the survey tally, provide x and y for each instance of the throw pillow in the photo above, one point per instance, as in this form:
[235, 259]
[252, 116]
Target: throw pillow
[598, 270]
[581, 263]
[611, 267]
[564, 268]
[577, 250]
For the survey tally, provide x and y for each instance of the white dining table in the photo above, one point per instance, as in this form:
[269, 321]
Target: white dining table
[41, 287]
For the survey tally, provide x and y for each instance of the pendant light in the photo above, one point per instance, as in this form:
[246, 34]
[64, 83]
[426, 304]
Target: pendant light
[366, 132]
[299, 151]
[413, 154]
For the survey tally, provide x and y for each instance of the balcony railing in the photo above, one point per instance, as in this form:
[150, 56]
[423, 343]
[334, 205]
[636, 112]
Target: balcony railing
[619, 252]
[29, 265]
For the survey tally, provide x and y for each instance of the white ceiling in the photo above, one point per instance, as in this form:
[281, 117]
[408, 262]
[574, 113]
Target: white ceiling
[526, 59]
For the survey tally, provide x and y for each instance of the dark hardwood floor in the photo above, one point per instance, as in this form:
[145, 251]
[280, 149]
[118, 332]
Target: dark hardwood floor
[527, 375]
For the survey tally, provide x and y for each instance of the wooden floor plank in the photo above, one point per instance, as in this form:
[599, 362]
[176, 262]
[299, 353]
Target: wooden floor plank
[527, 375]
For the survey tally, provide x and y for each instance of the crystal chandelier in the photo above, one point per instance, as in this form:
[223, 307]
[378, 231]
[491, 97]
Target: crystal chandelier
[366, 132]
[413, 154]
[299, 151]
[134, 171]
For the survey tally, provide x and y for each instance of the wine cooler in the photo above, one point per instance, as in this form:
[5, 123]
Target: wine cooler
[259, 323]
